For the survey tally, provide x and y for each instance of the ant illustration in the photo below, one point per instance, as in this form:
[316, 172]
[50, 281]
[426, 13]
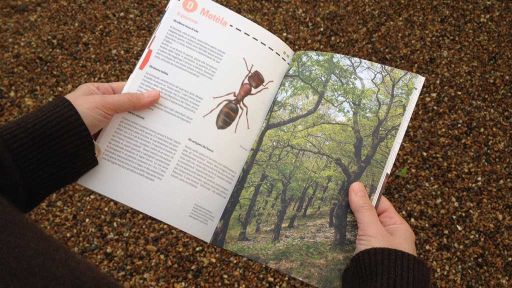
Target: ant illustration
[230, 111]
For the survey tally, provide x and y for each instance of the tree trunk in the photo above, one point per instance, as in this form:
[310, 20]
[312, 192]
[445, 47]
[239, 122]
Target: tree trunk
[279, 224]
[373, 189]
[340, 216]
[322, 199]
[274, 202]
[280, 215]
[219, 236]
[291, 223]
[331, 214]
[242, 236]
[271, 189]
[258, 225]
[310, 200]
[300, 205]
[269, 193]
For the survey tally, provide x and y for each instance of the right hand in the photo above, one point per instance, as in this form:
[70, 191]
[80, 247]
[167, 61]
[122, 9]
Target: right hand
[381, 228]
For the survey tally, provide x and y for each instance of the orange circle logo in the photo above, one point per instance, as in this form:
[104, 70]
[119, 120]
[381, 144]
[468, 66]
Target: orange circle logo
[190, 5]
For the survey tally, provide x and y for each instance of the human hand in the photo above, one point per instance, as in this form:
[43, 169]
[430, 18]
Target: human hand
[381, 228]
[97, 103]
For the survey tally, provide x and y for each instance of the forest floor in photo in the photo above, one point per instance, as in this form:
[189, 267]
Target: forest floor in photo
[304, 250]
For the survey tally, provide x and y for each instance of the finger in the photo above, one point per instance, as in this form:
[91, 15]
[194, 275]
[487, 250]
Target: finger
[119, 103]
[117, 87]
[362, 207]
[110, 88]
[388, 215]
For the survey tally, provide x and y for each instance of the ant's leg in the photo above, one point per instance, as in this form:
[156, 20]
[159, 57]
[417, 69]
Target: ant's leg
[265, 88]
[267, 83]
[239, 117]
[230, 93]
[246, 114]
[257, 92]
[216, 108]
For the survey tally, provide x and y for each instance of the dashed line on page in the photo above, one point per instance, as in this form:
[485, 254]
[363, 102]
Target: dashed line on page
[256, 39]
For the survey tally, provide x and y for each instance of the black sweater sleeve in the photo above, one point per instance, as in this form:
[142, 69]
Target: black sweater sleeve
[31, 258]
[42, 152]
[384, 267]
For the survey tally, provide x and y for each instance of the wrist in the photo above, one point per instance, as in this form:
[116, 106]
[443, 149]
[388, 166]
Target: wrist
[375, 267]
[50, 148]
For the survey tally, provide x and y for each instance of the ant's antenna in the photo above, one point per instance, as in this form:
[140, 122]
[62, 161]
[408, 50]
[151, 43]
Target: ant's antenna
[247, 66]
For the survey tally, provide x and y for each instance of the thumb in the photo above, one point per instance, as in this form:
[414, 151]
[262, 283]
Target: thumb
[125, 102]
[362, 207]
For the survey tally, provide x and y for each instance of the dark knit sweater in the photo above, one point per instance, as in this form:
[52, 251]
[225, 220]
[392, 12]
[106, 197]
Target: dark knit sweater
[384, 267]
[50, 148]
[40, 153]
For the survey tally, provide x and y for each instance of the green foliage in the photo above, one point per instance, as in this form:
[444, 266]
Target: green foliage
[403, 172]
[349, 136]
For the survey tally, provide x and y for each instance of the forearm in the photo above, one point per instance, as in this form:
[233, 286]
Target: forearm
[383, 267]
[42, 152]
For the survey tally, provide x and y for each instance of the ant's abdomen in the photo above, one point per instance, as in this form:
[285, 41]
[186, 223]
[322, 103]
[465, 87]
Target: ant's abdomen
[227, 115]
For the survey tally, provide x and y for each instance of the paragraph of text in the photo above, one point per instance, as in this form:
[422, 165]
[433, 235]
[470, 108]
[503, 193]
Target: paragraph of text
[140, 150]
[201, 214]
[200, 171]
[172, 96]
[189, 54]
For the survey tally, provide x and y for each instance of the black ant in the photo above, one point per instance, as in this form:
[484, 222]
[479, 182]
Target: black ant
[230, 111]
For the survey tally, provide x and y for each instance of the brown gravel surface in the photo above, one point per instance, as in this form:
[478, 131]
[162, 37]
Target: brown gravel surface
[457, 150]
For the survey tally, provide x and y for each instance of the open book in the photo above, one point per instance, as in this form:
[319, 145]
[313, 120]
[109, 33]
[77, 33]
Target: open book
[253, 146]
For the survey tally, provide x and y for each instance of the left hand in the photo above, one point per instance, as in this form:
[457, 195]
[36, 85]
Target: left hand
[97, 103]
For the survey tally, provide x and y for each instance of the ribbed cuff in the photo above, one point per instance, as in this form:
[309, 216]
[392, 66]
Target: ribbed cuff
[50, 148]
[384, 267]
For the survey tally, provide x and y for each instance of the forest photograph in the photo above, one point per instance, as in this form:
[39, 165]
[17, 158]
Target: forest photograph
[334, 122]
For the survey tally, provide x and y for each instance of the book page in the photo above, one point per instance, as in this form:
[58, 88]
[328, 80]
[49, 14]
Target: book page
[218, 74]
[336, 120]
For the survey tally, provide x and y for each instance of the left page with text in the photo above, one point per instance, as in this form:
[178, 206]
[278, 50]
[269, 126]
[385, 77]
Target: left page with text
[218, 74]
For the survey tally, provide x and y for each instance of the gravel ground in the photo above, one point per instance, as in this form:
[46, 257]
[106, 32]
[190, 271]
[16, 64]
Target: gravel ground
[457, 149]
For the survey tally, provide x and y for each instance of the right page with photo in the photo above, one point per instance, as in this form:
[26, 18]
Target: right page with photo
[336, 120]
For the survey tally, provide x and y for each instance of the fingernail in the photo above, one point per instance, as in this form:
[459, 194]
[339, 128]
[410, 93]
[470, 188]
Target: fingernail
[152, 94]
